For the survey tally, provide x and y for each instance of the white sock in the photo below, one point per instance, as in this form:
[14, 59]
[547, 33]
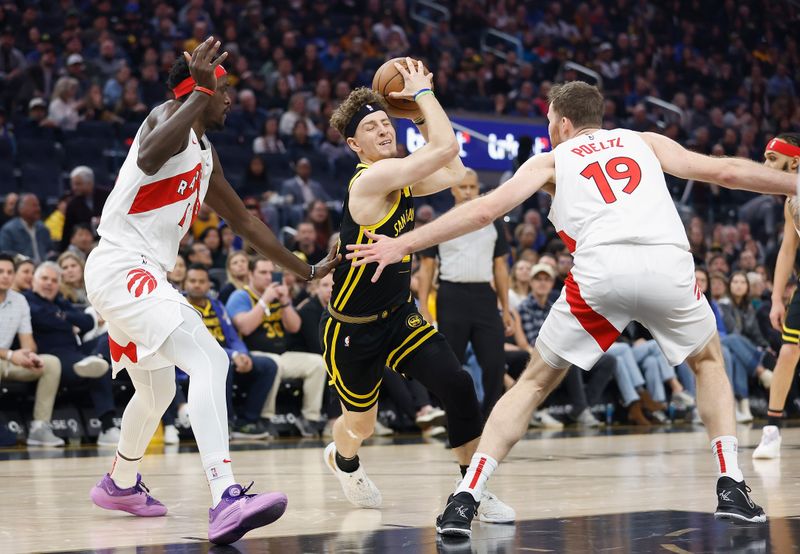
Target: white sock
[725, 450]
[219, 472]
[124, 471]
[480, 469]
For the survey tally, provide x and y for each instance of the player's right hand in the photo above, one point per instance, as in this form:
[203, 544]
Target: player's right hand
[414, 79]
[329, 263]
[776, 315]
[202, 63]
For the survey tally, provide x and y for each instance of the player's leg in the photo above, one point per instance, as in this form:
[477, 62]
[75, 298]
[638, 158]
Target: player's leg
[122, 488]
[769, 447]
[192, 348]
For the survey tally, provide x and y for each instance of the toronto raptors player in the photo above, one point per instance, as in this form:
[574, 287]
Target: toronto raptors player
[170, 170]
[612, 209]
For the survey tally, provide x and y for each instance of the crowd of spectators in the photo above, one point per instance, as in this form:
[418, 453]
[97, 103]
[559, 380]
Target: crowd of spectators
[68, 67]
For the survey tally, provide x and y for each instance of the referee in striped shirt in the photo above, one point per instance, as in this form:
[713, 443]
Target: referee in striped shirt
[467, 305]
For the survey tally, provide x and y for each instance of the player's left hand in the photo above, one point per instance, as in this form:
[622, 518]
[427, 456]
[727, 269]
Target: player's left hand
[382, 250]
[329, 263]
[508, 323]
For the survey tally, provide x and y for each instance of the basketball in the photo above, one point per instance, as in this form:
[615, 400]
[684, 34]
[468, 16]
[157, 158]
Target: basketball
[387, 80]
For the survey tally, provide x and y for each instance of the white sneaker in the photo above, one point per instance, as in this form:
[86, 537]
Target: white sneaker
[543, 419]
[682, 400]
[382, 430]
[91, 367]
[494, 510]
[171, 435]
[41, 434]
[770, 446]
[765, 378]
[435, 431]
[357, 487]
[109, 437]
[183, 416]
[432, 418]
[587, 419]
[743, 414]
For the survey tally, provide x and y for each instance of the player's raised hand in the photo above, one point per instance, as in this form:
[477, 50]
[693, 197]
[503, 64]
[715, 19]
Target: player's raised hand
[414, 79]
[382, 250]
[203, 64]
[329, 263]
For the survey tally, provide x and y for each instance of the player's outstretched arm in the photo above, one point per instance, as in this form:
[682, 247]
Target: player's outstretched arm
[166, 130]
[472, 215]
[396, 173]
[223, 199]
[732, 173]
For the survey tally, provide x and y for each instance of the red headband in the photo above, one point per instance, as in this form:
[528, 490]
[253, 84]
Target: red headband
[187, 85]
[783, 147]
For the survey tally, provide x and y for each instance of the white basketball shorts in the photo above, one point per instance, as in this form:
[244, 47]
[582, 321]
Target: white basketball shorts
[610, 286]
[132, 293]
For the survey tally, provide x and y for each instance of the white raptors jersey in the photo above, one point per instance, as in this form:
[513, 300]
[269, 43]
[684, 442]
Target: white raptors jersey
[610, 189]
[150, 214]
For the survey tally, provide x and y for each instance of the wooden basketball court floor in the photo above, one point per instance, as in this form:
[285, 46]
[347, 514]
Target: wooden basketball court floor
[615, 490]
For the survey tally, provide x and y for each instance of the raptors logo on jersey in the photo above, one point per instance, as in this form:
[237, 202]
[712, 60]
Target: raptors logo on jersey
[141, 282]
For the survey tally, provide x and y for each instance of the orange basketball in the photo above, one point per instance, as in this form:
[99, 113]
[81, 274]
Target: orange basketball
[387, 79]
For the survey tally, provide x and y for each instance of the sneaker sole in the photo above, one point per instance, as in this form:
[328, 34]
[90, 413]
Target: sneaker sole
[42, 443]
[723, 516]
[269, 515]
[245, 436]
[501, 521]
[99, 498]
[453, 531]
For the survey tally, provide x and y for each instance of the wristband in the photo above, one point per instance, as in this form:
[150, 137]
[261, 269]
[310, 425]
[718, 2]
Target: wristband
[418, 121]
[204, 90]
[422, 92]
[264, 306]
[312, 273]
[9, 354]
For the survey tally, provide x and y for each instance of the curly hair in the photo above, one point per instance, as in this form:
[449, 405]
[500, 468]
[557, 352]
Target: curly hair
[345, 112]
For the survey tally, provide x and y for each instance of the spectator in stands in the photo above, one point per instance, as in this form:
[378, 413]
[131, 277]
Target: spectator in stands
[305, 243]
[745, 342]
[94, 108]
[65, 107]
[130, 106]
[302, 189]
[248, 120]
[86, 204]
[334, 147]
[295, 113]
[269, 142]
[178, 273]
[254, 374]
[520, 283]
[26, 234]
[76, 68]
[263, 314]
[525, 236]
[81, 242]
[114, 87]
[300, 142]
[199, 253]
[237, 274]
[108, 63]
[55, 221]
[205, 218]
[23, 278]
[40, 77]
[72, 288]
[24, 364]
[57, 328]
[320, 216]
[213, 241]
[256, 179]
[9, 209]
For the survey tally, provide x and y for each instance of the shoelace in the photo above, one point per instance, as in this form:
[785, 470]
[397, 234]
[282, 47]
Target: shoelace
[247, 488]
[142, 488]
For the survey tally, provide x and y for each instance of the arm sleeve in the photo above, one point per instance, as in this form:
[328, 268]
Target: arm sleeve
[501, 244]
[239, 302]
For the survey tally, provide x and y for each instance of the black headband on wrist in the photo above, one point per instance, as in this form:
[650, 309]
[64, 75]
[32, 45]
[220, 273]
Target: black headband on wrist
[362, 112]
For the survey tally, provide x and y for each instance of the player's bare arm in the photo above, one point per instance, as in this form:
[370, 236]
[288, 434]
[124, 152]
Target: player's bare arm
[732, 173]
[166, 129]
[392, 174]
[441, 179]
[223, 199]
[783, 267]
[532, 176]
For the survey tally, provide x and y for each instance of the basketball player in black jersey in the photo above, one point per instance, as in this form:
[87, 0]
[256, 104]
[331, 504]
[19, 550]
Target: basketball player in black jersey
[372, 326]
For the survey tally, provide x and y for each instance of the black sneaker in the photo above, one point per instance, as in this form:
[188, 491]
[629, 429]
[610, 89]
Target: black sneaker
[250, 431]
[734, 502]
[456, 519]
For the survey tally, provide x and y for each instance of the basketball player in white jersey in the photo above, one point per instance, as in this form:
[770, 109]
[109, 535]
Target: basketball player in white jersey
[612, 209]
[783, 152]
[170, 170]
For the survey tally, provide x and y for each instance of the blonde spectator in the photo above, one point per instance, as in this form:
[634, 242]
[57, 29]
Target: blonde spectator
[237, 273]
[64, 105]
[520, 283]
[72, 286]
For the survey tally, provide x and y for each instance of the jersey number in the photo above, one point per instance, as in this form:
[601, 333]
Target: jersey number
[631, 171]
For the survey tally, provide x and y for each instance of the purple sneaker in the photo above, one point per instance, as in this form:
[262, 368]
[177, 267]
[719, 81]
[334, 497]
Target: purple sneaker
[237, 513]
[134, 500]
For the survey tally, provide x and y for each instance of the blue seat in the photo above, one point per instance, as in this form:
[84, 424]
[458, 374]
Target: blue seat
[97, 129]
[43, 178]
